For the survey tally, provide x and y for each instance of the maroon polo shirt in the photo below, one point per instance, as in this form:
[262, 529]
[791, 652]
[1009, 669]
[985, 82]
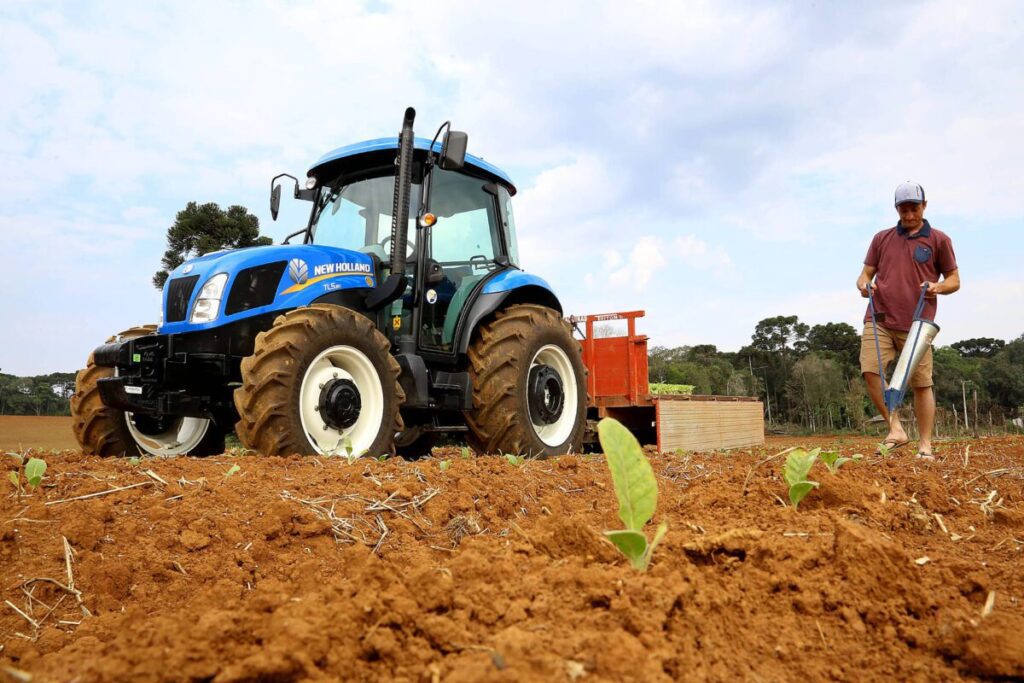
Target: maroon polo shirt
[904, 261]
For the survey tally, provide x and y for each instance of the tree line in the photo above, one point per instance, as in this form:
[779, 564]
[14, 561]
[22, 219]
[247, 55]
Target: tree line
[40, 395]
[806, 376]
[810, 376]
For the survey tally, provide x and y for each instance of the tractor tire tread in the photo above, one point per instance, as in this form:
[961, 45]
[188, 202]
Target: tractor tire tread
[495, 359]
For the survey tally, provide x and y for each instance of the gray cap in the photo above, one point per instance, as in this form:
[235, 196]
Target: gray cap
[909, 193]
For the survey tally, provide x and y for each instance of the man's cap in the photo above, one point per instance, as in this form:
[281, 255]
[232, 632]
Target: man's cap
[909, 192]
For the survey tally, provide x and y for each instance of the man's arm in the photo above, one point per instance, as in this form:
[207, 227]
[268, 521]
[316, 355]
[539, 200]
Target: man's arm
[865, 279]
[949, 284]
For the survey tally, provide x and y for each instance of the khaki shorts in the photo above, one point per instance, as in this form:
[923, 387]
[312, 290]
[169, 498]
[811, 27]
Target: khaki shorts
[891, 343]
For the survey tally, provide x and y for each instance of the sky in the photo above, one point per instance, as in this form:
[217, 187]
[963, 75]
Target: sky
[711, 163]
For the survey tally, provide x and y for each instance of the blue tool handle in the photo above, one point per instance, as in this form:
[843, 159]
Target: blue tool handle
[920, 301]
[874, 328]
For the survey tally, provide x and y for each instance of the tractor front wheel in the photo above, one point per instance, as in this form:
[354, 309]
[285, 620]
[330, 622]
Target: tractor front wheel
[101, 430]
[322, 381]
[529, 385]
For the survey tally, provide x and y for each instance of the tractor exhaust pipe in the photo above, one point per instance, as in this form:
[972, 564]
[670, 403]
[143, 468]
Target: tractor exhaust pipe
[394, 286]
[403, 186]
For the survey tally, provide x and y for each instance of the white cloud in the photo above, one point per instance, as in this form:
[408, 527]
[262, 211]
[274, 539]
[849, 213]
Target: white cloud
[646, 258]
[696, 253]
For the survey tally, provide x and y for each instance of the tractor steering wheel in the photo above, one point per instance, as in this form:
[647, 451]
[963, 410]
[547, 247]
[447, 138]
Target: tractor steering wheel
[410, 246]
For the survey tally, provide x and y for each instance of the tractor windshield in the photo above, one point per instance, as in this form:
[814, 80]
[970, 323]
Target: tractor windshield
[358, 215]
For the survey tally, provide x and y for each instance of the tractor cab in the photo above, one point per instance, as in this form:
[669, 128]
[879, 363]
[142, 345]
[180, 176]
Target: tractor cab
[460, 228]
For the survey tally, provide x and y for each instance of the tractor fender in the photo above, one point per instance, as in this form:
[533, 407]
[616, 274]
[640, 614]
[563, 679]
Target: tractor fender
[506, 288]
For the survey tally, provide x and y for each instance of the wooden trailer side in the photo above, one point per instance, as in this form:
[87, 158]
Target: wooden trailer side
[708, 423]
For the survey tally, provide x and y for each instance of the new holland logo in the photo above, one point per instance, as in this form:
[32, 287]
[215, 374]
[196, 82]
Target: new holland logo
[298, 271]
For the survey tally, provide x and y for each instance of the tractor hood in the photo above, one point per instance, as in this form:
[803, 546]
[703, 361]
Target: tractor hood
[227, 286]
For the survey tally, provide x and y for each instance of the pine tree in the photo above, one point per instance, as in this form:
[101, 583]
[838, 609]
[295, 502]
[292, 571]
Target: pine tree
[201, 228]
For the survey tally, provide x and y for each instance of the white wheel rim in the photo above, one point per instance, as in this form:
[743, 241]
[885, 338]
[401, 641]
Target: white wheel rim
[557, 432]
[181, 436]
[342, 362]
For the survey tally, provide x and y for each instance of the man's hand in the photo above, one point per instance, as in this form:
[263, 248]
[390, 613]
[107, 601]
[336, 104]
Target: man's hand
[863, 283]
[950, 283]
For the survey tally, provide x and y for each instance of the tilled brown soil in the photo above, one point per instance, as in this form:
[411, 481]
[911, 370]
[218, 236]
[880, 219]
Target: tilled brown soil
[317, 569]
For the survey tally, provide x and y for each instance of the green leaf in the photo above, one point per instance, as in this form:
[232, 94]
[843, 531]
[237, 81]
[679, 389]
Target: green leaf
[658, 535]
[34, 470]
[833, 461]
[513, 459]
[445, 464]
[632, 475]
[798, 465]
[134, 461]
[465, 453]
[13, 476]
[234, 469]
[631, 543]
[18, 457]
[799, 490]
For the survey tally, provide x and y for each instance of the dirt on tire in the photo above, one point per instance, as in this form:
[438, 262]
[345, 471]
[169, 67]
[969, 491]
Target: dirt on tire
[267, 401]
[313, 569]
[499, 361]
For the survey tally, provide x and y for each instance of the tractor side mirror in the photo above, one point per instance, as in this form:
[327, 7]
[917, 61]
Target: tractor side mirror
[275, 201]
[453, 150]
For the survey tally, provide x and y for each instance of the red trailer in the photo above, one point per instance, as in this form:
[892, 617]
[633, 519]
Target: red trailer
[617, 386]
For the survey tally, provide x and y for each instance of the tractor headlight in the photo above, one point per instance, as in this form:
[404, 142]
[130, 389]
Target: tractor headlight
[207, 304]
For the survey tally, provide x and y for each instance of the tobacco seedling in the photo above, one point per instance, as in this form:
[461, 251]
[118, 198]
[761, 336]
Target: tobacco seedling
[833, 461]
[234, 469]
[444, 465]
[465, 453]
[350, 455]
[32, 470]
[515, 460]
[636, 490]
[798, 466]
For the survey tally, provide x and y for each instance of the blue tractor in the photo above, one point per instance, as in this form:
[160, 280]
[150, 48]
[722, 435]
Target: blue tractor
[403, 314]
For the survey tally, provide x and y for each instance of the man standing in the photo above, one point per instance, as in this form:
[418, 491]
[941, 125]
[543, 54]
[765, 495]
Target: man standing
[902, 260]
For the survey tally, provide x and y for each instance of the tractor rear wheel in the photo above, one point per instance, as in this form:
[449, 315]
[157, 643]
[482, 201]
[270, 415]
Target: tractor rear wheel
[105, 431]
[529, 385]
[322, 380]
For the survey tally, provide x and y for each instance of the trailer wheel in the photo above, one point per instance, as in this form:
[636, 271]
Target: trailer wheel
[529, 385]
[414, 443]
[322, 380]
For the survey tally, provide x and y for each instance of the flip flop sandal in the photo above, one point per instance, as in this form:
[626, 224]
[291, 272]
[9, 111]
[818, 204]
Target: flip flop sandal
[894, 446]
[921, 455]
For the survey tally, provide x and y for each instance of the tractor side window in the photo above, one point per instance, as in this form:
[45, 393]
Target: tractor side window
[510, 225]
[464, 241]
